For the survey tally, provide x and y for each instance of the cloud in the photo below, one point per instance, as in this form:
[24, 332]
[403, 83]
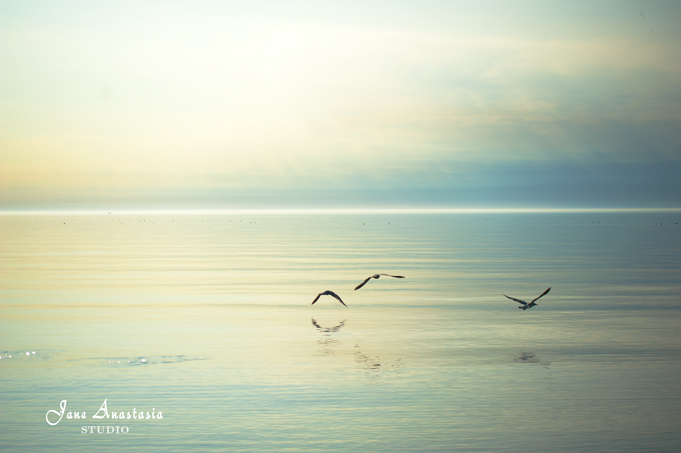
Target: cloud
[207, 101]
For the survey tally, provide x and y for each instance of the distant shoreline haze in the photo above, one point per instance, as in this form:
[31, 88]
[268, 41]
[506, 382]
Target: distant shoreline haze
[311, 211]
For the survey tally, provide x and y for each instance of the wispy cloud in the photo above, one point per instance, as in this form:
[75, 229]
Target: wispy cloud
[172, 98]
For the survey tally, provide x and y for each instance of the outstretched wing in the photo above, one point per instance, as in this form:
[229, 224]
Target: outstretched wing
[316, 298]
[542, 294]
[363, 283]
[396, 276]
[331, 293]
[517, 300]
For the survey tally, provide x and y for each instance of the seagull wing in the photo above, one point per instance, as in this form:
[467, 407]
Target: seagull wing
[331, 293]
[316, 298]
[517, 300]
[542, 294]
[396, 276]
[363, 283]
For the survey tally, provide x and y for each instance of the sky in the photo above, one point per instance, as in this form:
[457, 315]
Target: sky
[340, 104]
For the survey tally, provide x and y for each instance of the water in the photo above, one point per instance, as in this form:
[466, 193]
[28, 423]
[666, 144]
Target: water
[207, 320]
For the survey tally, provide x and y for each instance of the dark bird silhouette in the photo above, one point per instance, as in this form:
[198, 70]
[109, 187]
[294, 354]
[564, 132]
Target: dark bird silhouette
[525, 304]
[377, 276]
[328, 293]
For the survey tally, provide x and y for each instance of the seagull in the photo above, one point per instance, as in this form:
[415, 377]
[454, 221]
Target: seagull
[525, 304]
[375, 276]
[328, 293]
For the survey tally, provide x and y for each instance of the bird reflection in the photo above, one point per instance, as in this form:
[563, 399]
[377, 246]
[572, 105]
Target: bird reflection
[327, 342]
[375, 367]
[326, 346]
[531, 357]
[328, 329]
[527, 357]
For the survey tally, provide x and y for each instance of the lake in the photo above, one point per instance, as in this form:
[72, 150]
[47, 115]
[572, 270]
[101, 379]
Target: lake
[204, 321]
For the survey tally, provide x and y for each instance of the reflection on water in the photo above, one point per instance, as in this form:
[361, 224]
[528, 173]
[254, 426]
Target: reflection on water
[326, 346]
[438, 362]
[375, 367]
[328, 329]
[372, 367]
[327, 342]
[146, 360]
[29, 355]
[528, 357]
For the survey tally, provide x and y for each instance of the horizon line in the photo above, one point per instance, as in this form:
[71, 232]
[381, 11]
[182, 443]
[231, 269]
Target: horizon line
[290, 211]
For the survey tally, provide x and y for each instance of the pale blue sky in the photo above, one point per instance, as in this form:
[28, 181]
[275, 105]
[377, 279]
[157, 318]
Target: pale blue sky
[217, 104]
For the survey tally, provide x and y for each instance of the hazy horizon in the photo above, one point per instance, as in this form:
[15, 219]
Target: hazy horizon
[291, 104]
[330, 211]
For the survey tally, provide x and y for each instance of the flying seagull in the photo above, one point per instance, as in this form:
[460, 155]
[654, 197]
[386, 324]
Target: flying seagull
[377, 276]
[328, 293]
[525, 304]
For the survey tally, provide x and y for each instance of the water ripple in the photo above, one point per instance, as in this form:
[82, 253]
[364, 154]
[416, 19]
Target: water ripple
[143, 360]
[29, 355]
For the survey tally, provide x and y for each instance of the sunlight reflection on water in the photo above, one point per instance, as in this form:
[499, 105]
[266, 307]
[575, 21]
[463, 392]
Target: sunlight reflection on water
[209, 320]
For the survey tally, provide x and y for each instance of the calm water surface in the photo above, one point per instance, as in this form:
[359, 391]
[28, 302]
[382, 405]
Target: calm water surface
[207, 319]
